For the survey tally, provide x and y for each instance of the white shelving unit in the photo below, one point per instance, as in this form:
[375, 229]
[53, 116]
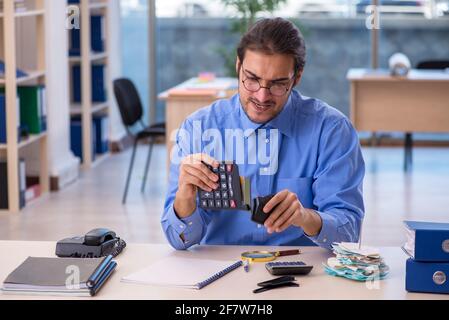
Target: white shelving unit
[10, 51]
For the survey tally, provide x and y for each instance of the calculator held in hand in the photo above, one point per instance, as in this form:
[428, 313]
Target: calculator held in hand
[229, 194]
[233, 193]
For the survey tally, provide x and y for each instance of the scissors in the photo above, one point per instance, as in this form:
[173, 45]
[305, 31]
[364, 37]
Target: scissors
[265, 256]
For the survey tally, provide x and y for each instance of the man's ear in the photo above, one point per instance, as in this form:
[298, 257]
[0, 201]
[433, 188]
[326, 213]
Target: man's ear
[237, 66]
[297, 79]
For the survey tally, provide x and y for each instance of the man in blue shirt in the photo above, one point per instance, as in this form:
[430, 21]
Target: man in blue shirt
[299, 148]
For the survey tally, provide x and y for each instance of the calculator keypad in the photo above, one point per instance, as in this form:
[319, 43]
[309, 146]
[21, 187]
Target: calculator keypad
[228, 195]
[288, 268]
[285, 264]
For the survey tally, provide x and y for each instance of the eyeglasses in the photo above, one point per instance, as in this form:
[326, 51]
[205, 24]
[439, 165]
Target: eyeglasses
[276, 89]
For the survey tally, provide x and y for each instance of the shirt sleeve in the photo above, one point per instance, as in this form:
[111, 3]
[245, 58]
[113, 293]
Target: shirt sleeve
[181, 233]
[338, 185]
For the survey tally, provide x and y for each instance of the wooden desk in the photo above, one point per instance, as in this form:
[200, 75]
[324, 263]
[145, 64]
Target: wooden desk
[316, 285]
[188, 97]
[416, 103]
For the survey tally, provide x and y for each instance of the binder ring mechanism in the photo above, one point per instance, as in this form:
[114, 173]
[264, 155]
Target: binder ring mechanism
[265, 256]
[445, 245]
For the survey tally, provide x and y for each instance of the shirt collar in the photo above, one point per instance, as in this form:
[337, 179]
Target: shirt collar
[283, 121]
[245, 121]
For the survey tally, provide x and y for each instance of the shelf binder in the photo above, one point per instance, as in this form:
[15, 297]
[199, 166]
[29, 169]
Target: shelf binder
[97, 31]
[2, 119]
[98, 83]
[76, 138]
[101, 133]
[19, 73]
[3, 133]
[4, 201]
[33, 111]
[3, 185]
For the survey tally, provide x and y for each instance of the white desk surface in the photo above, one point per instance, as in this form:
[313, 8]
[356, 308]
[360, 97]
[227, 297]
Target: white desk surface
[237, 285]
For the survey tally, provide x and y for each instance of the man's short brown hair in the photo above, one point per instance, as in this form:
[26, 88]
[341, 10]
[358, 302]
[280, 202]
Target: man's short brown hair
[275, 36]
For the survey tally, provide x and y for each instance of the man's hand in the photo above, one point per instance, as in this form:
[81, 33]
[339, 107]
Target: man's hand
[193, 173]
[289, 211]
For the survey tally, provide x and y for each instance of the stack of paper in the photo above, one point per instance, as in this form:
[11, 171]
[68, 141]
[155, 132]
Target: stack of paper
[196, 273]
[364, 264]
[59, 276]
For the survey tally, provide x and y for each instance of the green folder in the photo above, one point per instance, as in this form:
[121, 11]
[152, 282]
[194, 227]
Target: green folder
[31, 108]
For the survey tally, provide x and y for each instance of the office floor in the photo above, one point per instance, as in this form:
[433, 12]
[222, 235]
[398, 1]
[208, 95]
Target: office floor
[95, 199]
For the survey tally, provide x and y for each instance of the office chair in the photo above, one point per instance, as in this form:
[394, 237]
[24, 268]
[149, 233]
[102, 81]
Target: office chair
[131, 112]
[408, 143]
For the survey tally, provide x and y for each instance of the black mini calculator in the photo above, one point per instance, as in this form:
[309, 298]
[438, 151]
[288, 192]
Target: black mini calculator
[288, 268]
[229, 194]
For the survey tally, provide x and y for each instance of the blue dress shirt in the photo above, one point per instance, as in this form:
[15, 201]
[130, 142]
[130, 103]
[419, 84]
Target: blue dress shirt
[318, 158]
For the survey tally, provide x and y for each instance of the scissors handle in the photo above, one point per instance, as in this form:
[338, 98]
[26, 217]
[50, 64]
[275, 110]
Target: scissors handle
[287, 253]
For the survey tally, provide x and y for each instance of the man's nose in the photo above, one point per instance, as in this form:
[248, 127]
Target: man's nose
[263, 94]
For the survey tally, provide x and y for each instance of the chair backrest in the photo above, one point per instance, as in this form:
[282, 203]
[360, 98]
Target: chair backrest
[433, 64]
[128, 101]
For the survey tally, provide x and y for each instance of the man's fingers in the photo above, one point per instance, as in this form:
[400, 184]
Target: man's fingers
[209, 160]
[212, 176]
[286, 224]
[202, 157]
[195, 161]
[283, 211]
[278, 211]
[279, 197]
[197, 182]
[203, 175]
[282, 222]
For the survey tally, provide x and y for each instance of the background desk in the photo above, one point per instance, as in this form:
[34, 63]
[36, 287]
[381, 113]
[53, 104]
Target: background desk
[416, 103]
[317, 285]
[188, 97]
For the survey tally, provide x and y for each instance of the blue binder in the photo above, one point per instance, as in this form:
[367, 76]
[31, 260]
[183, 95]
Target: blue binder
[3, 134]
[76, 138]
[431, 241]
[3, 184]
[2, 119]
[96, 37]
[4, 201]
[432, 277]
[101, 133]
[75, 43]
[19, 73]
[98, 83]
[96, 22]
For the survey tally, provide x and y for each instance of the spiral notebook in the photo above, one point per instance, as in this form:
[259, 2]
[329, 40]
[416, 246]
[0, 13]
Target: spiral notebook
[182, 272]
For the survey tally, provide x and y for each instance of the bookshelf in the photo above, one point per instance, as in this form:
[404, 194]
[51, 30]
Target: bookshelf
[11, 45]
[86, 108]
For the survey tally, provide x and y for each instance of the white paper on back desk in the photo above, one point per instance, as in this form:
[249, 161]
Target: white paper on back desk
[182, 272]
